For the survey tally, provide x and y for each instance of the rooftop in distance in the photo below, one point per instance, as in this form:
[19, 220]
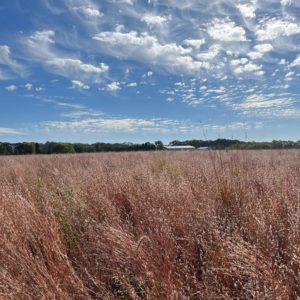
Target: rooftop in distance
[185, 147]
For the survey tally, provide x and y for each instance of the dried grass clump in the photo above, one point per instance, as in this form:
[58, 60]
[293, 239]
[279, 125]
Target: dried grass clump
[217, 225]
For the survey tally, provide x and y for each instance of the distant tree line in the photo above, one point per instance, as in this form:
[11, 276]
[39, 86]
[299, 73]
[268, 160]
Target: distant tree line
[227, 144]
[59, 147]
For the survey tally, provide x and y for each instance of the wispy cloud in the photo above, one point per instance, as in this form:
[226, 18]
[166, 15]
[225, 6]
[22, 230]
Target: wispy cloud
[28, 86]
[11, 88]
[9, 131]
[248, 9]
[154, 20]
[132, 84]
[146, 48]
[41, 48]
[87, 11]
[104, 125]
[80, 85]
[296, 62]
[111, 125]
[113, 86]
[268, 105]
[12, 67]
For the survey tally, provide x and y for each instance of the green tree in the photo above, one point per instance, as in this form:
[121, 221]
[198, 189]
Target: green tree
[25, 148]
[159, 145]
[5, 149]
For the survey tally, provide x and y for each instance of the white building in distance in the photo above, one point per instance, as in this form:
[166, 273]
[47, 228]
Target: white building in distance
[179, 148]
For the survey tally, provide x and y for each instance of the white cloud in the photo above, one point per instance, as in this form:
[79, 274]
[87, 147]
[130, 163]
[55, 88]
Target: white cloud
[75, 68]
[72, 67]
[170, 99]
[283, 61]
[28, 86]
[7, 60]
[113, 86]
[114, 125]
[194, 43]
[5, 56]
[247, 10]
[276, 28]
[9, 131]
[79, 114]
[11, 88]
[248, 68]
[132, 125]
[259, 73]
[262, 102]
[289, 76]
[255, 55]
[79, 84]
[181, 84]
[148, 74]
[146, 48]
[226, 31]
[88, 12]
[296, 62]
[154, 20]
[129, 2]
[241, 66]
[212, 53]
[263, 48]
[39, 89]
[236, 62]
[260, 50]
[286, 2]
[40, 46]
[63, 104]
[132, 84]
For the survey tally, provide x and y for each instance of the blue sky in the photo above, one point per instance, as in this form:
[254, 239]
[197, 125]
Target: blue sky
[138, 70]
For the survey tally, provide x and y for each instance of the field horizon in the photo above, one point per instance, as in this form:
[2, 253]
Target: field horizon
[64, 147]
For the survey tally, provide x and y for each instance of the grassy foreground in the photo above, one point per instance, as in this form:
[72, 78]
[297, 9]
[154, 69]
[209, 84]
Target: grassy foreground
[220, 225]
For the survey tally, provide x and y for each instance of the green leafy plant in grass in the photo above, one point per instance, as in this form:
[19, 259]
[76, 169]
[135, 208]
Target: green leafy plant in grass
[168, 167]
[38, 193]
[65, 213]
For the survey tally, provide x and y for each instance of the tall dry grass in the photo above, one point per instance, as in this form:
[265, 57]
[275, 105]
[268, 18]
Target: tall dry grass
[219, 225]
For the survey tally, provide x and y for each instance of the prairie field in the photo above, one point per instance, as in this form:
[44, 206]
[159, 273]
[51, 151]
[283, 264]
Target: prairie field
[151, 225]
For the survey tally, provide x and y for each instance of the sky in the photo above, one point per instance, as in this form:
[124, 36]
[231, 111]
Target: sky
[146, 70]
